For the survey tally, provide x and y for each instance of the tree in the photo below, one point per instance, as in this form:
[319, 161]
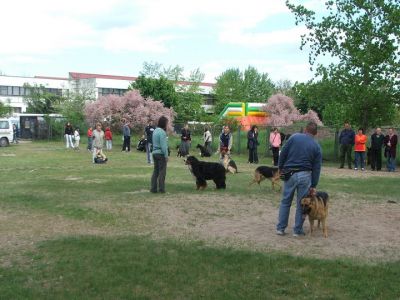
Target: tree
[282, 112]
[131, 106]
[236, 86]
[40, 101]
[362, 37]
[73, 107]
[4, 109]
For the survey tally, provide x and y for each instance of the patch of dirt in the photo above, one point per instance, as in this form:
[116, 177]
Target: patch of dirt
[363, 231]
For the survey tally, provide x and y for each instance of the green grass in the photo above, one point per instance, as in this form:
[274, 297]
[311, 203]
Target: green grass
[137, 268]
[44, 178]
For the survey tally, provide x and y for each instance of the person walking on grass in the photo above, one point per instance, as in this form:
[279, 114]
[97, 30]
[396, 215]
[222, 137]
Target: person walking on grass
[108, 136]
[160, 156]
[126, 132]
[98, 142]
[390, 150]
[377, 143]
[252, 144]
[346, 141]
[275, 141]
[300, 162]
[90, 139]
[207, 137]
[68, 133]
[185, 140]
[148, 133]
[360, 140]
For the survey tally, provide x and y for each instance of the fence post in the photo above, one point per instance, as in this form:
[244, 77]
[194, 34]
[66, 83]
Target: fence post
[238, 142]
[336, 145]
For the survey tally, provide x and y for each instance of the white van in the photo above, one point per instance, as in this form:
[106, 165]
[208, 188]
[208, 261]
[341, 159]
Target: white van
[6, 132]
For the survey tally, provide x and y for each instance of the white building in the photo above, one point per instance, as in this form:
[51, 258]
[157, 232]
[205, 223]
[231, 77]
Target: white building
[12, 88]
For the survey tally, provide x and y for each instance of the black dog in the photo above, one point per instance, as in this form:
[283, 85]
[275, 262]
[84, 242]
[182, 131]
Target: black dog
[203, 151]
[203, 171]
[179, 153]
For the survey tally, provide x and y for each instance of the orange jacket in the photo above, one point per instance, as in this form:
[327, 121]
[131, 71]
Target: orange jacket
[360, 141]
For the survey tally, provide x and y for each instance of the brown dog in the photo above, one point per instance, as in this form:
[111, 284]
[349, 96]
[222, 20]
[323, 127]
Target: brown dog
[264, 172]
[316, 207]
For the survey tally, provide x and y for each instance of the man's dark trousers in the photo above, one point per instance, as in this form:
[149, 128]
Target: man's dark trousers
[376, 159]
[345, 150]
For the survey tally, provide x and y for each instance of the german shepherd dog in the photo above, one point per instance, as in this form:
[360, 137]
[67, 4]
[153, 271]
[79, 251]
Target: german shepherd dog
[203, 151]
[204, 171]
[264, 172]
[316, 208]
[228, 163]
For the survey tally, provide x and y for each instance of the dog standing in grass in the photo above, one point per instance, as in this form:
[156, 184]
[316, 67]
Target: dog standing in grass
[316, 208]
[228, 163]
[264, 172]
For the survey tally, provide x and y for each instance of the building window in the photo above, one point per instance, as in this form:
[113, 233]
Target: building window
[3, 90]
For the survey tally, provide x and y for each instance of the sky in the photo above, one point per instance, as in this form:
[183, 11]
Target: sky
[115, 37]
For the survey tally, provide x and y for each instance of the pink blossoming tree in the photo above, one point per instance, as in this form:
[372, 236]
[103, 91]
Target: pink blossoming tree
[282, 112]
[114, 109]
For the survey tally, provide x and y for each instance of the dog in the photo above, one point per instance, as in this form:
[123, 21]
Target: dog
[228, 163]
[203, 151]
[204, 171]
[179, 153]
[316, 208]
[264, 172]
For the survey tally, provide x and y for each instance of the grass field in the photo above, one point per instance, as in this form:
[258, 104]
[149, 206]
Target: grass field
[73, 230]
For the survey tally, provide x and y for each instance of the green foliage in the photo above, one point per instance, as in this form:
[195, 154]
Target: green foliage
[189, 107]
[40, 101]
[73, 107]
[4, 109]
[160, 89]
[236, 86]
[363, 39]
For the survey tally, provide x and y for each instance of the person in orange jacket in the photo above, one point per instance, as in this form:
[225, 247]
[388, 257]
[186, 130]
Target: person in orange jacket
[90, 139]
[108, 136]
[360, 148]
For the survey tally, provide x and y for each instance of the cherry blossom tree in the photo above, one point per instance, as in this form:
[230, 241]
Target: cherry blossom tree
[114, 109]
[282, 112]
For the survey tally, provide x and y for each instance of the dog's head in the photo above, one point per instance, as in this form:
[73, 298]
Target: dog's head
[306, 205]
[190, 160]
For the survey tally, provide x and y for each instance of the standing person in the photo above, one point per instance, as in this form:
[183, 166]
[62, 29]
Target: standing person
[225, 140]
[68, 133]
[207, 137]
[160, 156]
[360, 141]
[90, 139]
[377, 142]
[390, 150]
[148, 133]
[185, 140]
[275, 141]
[15, 134]
[126, 132]
[300, 160]
[346, 141]
[98, 142]
[108, 136]
[77, 138]
[252, 144]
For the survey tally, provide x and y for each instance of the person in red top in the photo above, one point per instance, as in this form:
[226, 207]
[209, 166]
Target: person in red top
[108, 136]
[90, 139]
[360, 141]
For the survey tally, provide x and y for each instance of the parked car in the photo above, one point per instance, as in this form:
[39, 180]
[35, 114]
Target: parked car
[6, 132]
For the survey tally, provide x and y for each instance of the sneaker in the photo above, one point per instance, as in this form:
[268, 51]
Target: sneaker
[280, 232]
[299, 234]
[355, 169]
[362, 169]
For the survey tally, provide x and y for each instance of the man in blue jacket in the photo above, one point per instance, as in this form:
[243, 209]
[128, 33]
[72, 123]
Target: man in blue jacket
[300, 160]
[346, 142]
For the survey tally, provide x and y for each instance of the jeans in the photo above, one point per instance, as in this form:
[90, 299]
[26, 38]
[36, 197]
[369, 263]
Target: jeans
[89, 143]
[359, 159]
[148, 152]
[159, 173]
[253, 155]
[391, 163]
[275, 155]
[127, 144]
[109, 144]
[345, 151]
[300, 183]
[68, 141]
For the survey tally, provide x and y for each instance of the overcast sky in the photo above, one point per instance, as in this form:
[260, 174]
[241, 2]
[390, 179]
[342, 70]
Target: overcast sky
[52, 38]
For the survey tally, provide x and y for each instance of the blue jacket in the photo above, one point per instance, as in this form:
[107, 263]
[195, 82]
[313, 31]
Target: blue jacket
[302, 152]
[347, 137]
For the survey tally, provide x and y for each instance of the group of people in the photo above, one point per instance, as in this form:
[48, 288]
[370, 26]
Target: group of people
[378, 143]
[72, 136]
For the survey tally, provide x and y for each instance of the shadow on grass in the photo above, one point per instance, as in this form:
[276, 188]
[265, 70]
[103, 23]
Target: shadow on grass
[126, 268]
